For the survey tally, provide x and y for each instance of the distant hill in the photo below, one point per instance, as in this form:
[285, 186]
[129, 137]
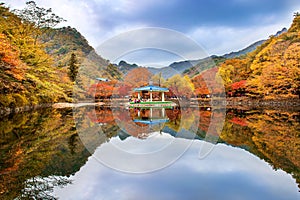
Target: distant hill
[284, 30]
[174, 68]
[244, 51]
[62, 42]
[124, 67]
[192, 67]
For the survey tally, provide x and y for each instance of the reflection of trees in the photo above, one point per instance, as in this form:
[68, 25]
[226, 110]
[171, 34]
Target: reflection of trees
[204, 121]
[276, 135]
[271, 135]
[42, 187]
[101, 115]
[39, 143]
[175, 116]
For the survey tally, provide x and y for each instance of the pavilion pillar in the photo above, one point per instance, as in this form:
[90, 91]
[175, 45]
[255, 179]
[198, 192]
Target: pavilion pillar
[139, 95]
[162, 96]
[150, 96]
[163, 112]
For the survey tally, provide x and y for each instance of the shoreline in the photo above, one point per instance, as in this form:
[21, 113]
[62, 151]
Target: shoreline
[248, 103]
[231, 102]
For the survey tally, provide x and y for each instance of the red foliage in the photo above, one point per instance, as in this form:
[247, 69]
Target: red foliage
[102, 116]
[124, 90]
[101, 90]
[8, 53]
[204, 120]
[239, 85]
[239, 121]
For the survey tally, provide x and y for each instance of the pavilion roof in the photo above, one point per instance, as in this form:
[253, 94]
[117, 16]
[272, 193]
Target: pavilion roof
[151, 88]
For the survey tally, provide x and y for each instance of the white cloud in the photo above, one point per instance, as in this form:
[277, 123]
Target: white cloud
[221, 40]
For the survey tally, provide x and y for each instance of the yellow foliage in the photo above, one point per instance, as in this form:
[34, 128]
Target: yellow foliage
[272, 70]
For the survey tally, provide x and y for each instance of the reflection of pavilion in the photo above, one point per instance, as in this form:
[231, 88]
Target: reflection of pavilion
[143, 122]
[151, 96]
[151, 116]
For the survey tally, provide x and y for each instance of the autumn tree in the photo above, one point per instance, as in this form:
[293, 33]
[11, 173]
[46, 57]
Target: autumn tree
[73, 67]
[201, 89]
[101, 90]
[233, 70]
[138, 77]
[208, 83]
[238, 88]
[123, 89]
[180, 86]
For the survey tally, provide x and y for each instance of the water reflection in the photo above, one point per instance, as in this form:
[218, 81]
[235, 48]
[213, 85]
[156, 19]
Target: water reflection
[42, 150]
[228, 173]
[38, 151]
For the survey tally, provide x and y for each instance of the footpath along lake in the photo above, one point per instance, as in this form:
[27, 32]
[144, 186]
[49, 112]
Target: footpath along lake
[254, 155]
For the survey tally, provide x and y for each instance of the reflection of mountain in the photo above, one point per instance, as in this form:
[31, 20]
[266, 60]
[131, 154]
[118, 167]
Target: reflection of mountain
[270, 135]
[38, 144]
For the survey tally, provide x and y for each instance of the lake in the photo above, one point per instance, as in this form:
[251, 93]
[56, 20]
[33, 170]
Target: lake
[119, 153]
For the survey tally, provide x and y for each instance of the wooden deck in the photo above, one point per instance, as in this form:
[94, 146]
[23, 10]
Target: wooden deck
[153, 104]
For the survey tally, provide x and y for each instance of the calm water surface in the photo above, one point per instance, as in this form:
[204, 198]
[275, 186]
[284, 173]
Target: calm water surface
[178, 154]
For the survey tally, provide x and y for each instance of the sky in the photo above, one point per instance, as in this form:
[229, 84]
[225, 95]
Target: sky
[218, 27]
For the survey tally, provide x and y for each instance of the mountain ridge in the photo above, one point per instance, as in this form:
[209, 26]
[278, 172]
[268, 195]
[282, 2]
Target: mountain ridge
[184, 67]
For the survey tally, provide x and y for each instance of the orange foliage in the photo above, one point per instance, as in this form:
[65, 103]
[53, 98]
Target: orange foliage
[10, 55]
[200, 85]
[102, 116]
[138, 77]
[204, 120]
[206, 83]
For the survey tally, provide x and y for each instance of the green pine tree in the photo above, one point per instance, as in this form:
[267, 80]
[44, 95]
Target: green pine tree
[73, 67]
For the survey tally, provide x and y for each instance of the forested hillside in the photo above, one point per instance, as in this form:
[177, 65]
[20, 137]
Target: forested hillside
[28, 75]
[39, 64]
[271, 71]
[61, 43]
